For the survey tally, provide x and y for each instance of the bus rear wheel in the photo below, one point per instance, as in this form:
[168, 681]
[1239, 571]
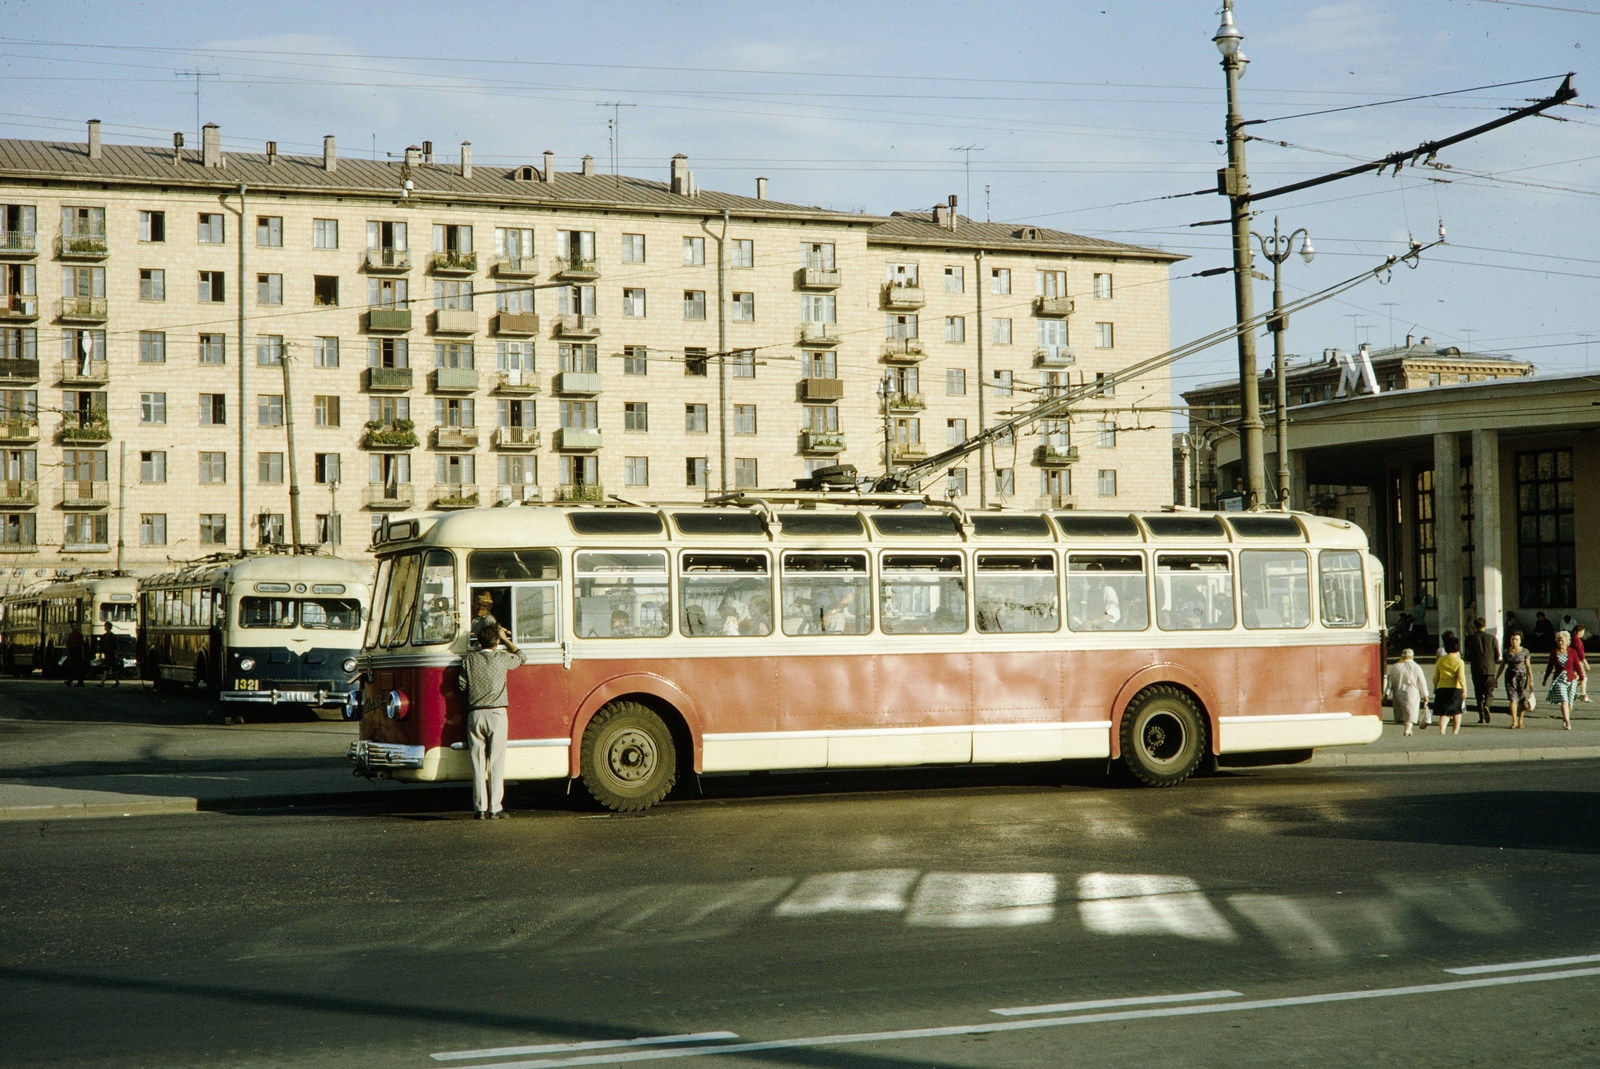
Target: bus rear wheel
[628, 761]
[1163, 736]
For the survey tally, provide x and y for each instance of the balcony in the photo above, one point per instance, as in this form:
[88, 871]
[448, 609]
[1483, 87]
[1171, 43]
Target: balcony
[819, 334]
[829, 442]
[903, 350]
[16, 244]
[907, 402]
[455, 438]
[455, 496]
[517, 438]
[902, 298]
[85, 495]
[909, 451]
[388, 378]
[516, 383]
[19, 493]
[516, 267]
[400, 434]
[17, 307]
[82, 247]
[385, 497]
[85, 373]
[583, 383]
[577, 439]
[389, 319]
[581, 492]
[455, 380]
[822, 389]
[83, 310]
[388, 260]
[526, 493]
[578, 326]
[19, 429]
[818, 278]
[1055, 456]
[575, 269]
[453, 263]
[1056, 307]
[1054, 356]
[517, 323]
[455, 321]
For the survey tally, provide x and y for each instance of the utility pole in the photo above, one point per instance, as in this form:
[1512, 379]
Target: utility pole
[122, 501]
[197, 75]
[884, 390]
[722, 344]
[1277, 251]
[244, 410]
[294, 470]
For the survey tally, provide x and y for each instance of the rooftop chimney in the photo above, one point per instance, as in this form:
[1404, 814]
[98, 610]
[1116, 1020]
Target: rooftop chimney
[941, 215]
[466, 159]
[413, 155]
[1411, 339]
[177, 148]
[588, 167]
[680, 174]
[761, 189]
[94, 139]
[427, 152]
[330, 154]
[1427, 342]
[211, 145]
[549, 166]
[954, 215]
[272, 152]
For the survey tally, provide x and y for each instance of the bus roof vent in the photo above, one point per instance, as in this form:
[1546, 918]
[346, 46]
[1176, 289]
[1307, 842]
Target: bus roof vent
[812, 524]
[1175, 525]
[615, 522]
[720, 523]
[918, 524]
[1097, 526]
[1016, 525]
[1266, 527]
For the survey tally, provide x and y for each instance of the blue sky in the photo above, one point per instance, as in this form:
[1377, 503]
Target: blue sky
[1076, 109]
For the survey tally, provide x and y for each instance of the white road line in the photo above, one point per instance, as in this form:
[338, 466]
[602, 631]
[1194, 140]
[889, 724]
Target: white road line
[1045, 1022]
[1111, 1003]
[593, 1044]
[1518, 966]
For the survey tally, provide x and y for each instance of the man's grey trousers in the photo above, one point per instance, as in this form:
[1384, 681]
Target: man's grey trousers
[486, 739]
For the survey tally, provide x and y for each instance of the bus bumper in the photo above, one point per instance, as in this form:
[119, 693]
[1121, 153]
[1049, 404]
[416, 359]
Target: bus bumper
[321, 699]
[385, 755]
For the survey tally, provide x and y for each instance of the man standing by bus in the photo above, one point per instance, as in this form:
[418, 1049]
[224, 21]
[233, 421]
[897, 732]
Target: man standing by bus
[110, 660]
[483, 678]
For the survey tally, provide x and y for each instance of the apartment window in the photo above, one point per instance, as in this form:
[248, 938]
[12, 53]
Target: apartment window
[635, 360]
[451, 237]
[389, 409]
[213, 409]
[635, 416]
[575, 246]
[325, 289]
[1546, 529]
[905, 381]
[899, 327]
[213, 468]
[633, 248]
[955, 382]
[696, 471]
[324, 233]
[325, 468]
[744, 308]
[152, 347]
[694, 252]
[517, 470]
[1052, 283]
[579, 415]
[19, 529]
[955, 431]
[513, 243]
[455, 469]
[1106, 482]
[695, 419]
[269, 467]
[513, 297]
[695, 362]
[269, 231]
[1102, 386]
[83, 407]
[694, 304]
[269, 350]
[1102, 286]
[636, 471]
[908, 430]
[1005, 481]
[152, 284]
[90, 529]
[153, 529]
[744, 473]
[153, 466]
[1106, 434]
[327, 406]
[741, 253]
[575, 300]
[269, 529]
[211, 229]
[457, 354]
[384, 239]
[1000, 280]
[580, 359]
[518, 414]
[513, 355]
[455, 412]
[1002, 332]
[325, 352]
[1104, 336]
[580, 471]
[818, 308]
[957, 485]
[1052, 334]
[387, 293]
[821, 365]
[213, 528]
[213, 287]
[1052, 383]
[633, 303]
[84, 465]
[153, 226]
[329, 528]
[388, 352]
[453, 295]
[821, 418]
[744, 419]
[152, 408]
[955, 328]
[269, 410]
[742, 365]
[1002, 384]
[901, 274]
[954, 279]
[213, 348]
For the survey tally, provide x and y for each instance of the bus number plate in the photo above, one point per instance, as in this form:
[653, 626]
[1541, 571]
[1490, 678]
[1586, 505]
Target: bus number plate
[247, 684]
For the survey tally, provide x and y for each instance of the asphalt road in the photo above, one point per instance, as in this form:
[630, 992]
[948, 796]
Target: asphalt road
[798, 922]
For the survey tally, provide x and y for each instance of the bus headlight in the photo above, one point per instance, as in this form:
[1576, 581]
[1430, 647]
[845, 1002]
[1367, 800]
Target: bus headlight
[349, 664]
[396, 705]
[247, 664]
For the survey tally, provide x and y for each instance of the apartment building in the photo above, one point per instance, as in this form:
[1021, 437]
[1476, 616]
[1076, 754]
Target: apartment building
[457, 336]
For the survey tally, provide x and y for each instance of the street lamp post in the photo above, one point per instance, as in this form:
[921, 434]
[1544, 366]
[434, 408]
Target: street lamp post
[1278, 251]
[1236, 185]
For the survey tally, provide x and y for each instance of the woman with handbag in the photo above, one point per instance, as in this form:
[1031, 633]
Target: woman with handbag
[1563, 664]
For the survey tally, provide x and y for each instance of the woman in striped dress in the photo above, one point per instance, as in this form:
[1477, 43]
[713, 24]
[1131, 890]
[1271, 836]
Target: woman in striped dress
[1563, 664]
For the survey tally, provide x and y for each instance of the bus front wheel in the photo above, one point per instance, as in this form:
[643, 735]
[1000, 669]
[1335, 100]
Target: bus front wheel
[628, 761]
[1163, 736]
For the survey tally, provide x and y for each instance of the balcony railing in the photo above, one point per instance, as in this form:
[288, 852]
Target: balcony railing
[386, 319]
[455, 496]
[1055, 456]
[516, 383]
[455, 321]
[19, 493]
[583, 383]
[388, 260]
[576, 268]
[907, 402]
[19, 243]
[455, 437]
[823, 389]
[85, 372]
[95, 430]
[819, 334]
[85, 494]
[526, 493]
[454, 263]
[901, 297]
[72, 246]
[578, 439]
[454, 380]
[822, 441]
[578, 326]
[30, 546]
[820, 278]
[516, 267]
[83, 310]
[522, 323]
[388, 378]
[386, 496]
[19, 306]
[19, 429]
[1054, 356]
[909, 450]
[400, 434]
[581, 492]
[904, 350]
[517, 438]
[1055, 307]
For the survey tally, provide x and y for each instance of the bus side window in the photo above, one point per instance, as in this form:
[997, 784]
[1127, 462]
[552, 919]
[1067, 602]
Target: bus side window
[1016, 593]
[1194, 592]
[436, 605]
[1276, 588]
[533, 612]
[922, 594]
[826, 594]
[1342, 593]
[725, 594]
[621, 594]
[1106, 592]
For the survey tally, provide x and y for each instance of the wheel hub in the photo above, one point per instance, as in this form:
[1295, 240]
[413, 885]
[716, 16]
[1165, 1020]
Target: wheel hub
[631, 756]
[1163, 737]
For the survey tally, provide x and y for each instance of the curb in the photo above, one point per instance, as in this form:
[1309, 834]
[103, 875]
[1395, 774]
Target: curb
[1456, 757]
[67, 810]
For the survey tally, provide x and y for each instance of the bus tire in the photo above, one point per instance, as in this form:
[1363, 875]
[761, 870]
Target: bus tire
[1163, 736]
[627, 761]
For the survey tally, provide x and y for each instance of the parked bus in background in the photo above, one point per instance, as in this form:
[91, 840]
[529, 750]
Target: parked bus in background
[794, 631]
[37, 621]
[256, 629]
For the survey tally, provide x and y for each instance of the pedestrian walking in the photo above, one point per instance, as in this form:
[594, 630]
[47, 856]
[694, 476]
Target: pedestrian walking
[1407, 685]
[1519, 678]
[1578, 634]
[1482, 656]
[110, 661]
[77, 657]
[1449, 685]
[483, 678]
[1563, 664]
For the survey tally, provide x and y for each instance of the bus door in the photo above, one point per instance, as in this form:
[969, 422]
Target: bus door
[521, 589]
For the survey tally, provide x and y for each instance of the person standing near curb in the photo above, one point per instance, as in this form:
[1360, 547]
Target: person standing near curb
[1483, 654]
[483, 678]
[110, 663]
[1450, 685]
[1408, 689]
[77, 657]
[1563, 663]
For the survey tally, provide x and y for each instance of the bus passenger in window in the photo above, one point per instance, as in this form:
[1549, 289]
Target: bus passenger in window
[1105, 595]
[840, 618]
[758, 621]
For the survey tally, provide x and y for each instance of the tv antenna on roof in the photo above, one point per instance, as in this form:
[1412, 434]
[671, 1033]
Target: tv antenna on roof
[969, 150]
[197, 75]
[614, 127]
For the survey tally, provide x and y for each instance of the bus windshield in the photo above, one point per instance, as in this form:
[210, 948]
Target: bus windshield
[117, 612]
[321, 614]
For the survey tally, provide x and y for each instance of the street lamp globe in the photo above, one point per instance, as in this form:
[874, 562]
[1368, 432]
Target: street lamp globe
[1307, 253]
[1227, 38]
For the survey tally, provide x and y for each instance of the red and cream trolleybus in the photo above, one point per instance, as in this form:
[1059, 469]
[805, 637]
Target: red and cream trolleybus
[798, 631]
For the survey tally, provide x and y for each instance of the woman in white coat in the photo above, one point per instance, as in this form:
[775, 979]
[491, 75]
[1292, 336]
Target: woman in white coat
[1407, 685]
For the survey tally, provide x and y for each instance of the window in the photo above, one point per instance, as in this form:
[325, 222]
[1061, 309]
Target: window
[579, 358]
[1051, 283]
[213, 468]
[633, 303]
[954, 280]
[827, 593]
[516, 414]
[1016, 593]
[1546, 529]
[694, 252]
[325, 352]
[328, 534]
[213, 409]
[955, 328]
[821, 418]
[744, 419]
[454, 469]
[576, 247]
[213, 528]
[384, 239]
[325, 289]
[635, 360]
[744, 473]
[269, 231]
[908, 430]
[152, 284]
[741, 253]
[821, 365]
[1052, 335]
[387, 293]
[211, 229]
[213, 348]
[1106, 592]
[905, 381]
[452, 238]
[455, 411]
[901, 274]
[515, 469]
[1106, 434]
[153, 529]
[152, 347]
[744, 308]
[1102, 286]
[1343, 593]
[1102, 387]
[90, 529]
[213, 287]
[695, 471]
[695, 419]
[633, 248]
[513, 297]
[84, 465]
[818, 308]
[742, 365]
[19, 529]
[453, 295]
[269, 529]
[269, 410]
[1002, 384]
[153, 226]
[1104, 336]
[955, 431]
[635, 416]
[636, 471]
[327, 406]
[695, 362]
[269, 350]
[1275, 588]
[83, 407]
[269, 467]
[955, 382]
[1194, 591]
[580, 415]
[152, 408]
[457, 354]
[1106, 482]
[513, 355]
[324, 233]
[153, 466]
[1002, 332]
[388, 352]
[1005, 481]
[325, 468]
[1000, 280]
[575, 300]
[620, 594]
[817, 255]
[694, 304]
[513, 243]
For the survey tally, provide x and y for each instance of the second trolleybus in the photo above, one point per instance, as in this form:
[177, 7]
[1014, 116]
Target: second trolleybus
[37, 621]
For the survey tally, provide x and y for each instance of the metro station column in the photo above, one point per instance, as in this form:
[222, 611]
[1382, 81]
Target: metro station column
[1488, 537]
[1447, 531]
